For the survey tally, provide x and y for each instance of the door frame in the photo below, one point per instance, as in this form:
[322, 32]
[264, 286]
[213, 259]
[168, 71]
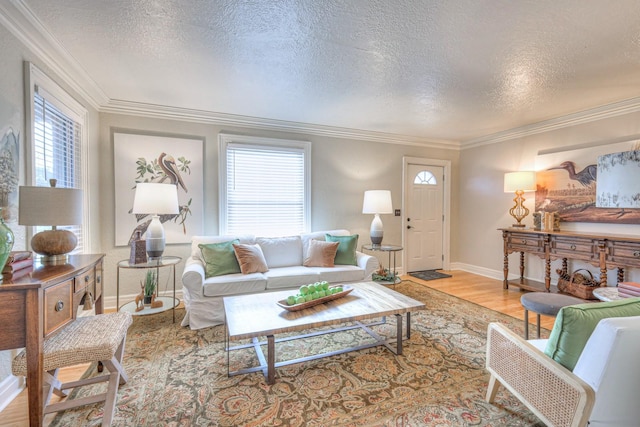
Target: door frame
[446, 206]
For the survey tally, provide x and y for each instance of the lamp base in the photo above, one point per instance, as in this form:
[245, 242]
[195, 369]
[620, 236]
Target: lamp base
[376, 231]
[518, 225]
[155, 238]
[54, 245]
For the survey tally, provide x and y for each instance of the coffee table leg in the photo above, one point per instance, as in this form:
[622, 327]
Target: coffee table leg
[271, 359]
[408, 325]
[399, 334]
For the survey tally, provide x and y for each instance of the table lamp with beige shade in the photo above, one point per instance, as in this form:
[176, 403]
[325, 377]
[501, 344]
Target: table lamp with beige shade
[51, 206]
[377, 202]
[518, 183]
[155, 199]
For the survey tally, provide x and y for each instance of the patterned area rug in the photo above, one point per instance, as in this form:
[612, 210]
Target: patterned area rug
[429, 275]
[179, 377]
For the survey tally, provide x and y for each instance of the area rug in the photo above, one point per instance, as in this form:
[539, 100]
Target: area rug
[429, 275]
[178, 377]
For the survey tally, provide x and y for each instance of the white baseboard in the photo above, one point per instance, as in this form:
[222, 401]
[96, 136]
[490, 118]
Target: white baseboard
[10, 387]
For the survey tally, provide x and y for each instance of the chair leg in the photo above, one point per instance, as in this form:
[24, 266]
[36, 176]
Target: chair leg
[526, 324]
[492, 389]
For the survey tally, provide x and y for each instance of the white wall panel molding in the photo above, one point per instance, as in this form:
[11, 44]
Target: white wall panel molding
[200, 116]
[26, 27]
[599, 113]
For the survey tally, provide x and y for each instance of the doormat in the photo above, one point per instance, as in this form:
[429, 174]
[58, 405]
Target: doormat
[428, 275]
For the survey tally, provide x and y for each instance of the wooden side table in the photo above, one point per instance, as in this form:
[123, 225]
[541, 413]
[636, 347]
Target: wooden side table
[390, 249]
[168, 303]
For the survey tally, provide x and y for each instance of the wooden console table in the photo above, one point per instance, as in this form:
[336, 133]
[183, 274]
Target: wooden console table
[604, 251]
[39, 305]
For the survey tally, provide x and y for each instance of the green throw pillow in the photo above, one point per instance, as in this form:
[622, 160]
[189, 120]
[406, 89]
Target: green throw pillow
[219, 258]
[346, 254]
[575, 323]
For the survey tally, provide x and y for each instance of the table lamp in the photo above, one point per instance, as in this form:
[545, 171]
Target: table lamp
[51, 206]
[377, 202]
[155, 200]
[519, 182]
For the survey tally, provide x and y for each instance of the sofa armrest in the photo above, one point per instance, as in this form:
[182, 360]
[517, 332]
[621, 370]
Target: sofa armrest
[368, 263]
[193, 275]
[552, 392]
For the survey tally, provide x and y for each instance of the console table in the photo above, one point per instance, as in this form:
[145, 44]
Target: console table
[39, 305]
[604, 251]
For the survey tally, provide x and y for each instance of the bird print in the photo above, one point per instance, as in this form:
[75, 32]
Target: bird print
[168, 165]
[585, 177]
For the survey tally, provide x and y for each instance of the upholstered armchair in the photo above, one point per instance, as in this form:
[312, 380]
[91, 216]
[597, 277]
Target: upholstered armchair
[602, 389]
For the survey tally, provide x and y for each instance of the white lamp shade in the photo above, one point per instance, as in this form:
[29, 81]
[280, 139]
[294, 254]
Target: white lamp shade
[377, 202]
[154, 198]
[519, 181]
[49, 206]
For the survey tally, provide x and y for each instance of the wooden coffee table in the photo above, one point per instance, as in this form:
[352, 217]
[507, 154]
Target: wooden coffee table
[258, 315]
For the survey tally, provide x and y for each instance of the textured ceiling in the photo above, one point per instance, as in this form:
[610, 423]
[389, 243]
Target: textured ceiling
[440, 70]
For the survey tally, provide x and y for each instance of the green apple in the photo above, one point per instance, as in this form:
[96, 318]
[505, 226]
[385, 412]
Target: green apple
[318, 286]
[339, 289]
[333, 290]
[291, 300]
[325, 285]
[322, 293]
[308, 297]
[315, 295]
[300, 300]
[304, 289]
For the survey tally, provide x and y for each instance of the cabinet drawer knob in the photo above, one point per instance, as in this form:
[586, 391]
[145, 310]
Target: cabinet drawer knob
[59, 306]
[523, 241]
[86, 279]
[573, 247]
[636, 254]
[98, 279]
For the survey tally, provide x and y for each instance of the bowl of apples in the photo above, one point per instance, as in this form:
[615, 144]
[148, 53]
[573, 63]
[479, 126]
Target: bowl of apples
[313, 294]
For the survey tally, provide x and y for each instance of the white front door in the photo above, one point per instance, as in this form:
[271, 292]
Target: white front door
[424, 217]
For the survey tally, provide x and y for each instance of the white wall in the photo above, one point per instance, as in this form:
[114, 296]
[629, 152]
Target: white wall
[484, 206]
[341, 171]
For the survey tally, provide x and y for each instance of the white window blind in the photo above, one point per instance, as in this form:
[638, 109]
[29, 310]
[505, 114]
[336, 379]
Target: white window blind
[57, 150]
[266, 190]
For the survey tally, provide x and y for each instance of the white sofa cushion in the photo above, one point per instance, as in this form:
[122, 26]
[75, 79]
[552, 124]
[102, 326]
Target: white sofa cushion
[340, 273]
[233, 284]
[281, 251]
[290, 277]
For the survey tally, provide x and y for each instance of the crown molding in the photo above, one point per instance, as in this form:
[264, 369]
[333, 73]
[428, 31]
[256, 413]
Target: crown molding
[201, 116]
[26, 27]
[591, 115]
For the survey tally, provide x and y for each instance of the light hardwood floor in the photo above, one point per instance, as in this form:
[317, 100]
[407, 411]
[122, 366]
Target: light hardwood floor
[480, 290]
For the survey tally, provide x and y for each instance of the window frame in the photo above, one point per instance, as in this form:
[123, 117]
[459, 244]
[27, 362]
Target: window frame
[226, 139]
[37, 81]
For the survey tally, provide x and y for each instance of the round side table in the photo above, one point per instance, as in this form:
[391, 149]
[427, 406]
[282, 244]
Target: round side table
[168, 303]
[544, 303]
[607, 293]
[390, 249]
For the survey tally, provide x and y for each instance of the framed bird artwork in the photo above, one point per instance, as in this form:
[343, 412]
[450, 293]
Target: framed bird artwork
[567, 182]
[158, 159]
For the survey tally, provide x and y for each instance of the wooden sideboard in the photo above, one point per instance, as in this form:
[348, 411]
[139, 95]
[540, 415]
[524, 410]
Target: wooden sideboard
[39, 305]
[604, 251]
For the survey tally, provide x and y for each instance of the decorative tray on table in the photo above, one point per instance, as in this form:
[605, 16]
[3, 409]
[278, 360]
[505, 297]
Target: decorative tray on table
[307, 304]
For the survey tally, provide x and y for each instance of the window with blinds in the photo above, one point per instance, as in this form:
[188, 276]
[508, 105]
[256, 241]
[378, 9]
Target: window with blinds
[264, 187]
[57, 145]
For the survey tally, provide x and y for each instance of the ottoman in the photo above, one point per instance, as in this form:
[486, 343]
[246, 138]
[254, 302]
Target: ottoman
[544, 303]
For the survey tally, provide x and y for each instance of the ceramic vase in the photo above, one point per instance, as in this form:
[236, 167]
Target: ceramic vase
[6, 241]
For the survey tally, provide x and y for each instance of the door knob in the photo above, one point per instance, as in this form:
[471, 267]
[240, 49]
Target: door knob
[409, 227]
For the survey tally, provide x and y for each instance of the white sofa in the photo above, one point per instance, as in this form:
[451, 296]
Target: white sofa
[284, 257]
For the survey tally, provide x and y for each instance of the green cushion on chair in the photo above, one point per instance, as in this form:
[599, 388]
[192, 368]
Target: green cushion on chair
[346, 254]
[219, 258]
[575, 323]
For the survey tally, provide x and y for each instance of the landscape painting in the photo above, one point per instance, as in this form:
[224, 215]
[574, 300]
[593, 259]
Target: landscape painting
[566, 183]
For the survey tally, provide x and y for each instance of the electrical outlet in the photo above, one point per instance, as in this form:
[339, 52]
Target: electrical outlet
[397, 212]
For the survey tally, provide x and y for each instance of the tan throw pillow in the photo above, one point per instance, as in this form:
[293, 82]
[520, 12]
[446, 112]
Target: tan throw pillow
[320, 254]
[250, 258]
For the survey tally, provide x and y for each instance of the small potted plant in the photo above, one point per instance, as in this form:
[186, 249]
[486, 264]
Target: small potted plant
[150, 284]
